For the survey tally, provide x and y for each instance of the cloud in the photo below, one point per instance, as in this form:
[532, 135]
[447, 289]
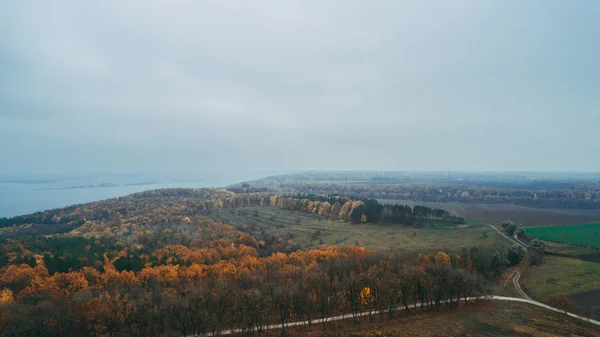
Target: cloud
[299, 85]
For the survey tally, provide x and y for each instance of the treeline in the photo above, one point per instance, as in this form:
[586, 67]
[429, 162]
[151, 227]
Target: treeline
[159, 209]
[585, 196]
[338, 207]
[243, 292]
[406, 214]
[155, 210]
[49, 217]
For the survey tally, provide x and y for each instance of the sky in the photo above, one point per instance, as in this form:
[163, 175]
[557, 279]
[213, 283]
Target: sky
[232, 86]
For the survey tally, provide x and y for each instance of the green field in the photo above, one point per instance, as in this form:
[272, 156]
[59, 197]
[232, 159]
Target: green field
[310, 231]
[587, 235]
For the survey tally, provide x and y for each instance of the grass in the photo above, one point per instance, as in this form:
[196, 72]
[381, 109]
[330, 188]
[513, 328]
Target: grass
[562, 275]
[587, 235]
[310, 231]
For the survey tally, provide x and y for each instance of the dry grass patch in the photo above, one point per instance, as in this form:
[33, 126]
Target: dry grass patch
[310, 231]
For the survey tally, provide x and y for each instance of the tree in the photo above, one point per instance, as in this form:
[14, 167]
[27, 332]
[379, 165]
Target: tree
[131, 262]
[510, 229]
[335, 210]
[499, 262]
[537, 248]
[561, 302]
[6, 296]
[357, 214]
[442, 259]
[507, 223]
[373, 210]
[515, 255]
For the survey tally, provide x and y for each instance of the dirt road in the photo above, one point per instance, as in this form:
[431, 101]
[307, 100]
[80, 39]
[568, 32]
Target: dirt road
[412, 306]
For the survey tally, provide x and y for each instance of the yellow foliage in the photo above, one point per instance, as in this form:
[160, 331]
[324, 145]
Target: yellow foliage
[70, 282]
[357, 203]
[6, 296]
[226, 268]
[365, 296]
[324, 209]
[273, 201]
[193, 272]
[425, 258]
[345, 211]
[442, 259]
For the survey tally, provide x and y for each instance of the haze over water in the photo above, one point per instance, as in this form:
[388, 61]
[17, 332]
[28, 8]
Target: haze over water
[27, 194]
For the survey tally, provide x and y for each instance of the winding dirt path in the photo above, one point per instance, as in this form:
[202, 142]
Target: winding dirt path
[509, 278]
[518, 286]
[412, 306]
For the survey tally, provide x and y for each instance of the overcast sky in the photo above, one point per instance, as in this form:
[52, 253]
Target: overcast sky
[229, 86]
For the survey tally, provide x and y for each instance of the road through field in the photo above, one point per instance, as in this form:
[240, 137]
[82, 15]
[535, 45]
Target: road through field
[411, 306]
[518, 242]
[509, 278]
[515, 276]
[517, 285]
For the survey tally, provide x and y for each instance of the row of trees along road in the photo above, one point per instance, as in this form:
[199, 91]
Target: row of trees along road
[236, 293]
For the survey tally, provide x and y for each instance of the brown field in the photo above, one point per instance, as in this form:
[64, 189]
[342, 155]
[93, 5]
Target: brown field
[587, 254]
[530, 217]
[484, 319]
[592, 257]
[588, 303]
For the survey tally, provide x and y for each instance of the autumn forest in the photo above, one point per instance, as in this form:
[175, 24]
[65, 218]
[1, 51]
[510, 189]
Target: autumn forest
[156, 264]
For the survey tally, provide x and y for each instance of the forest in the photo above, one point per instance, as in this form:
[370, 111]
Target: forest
[154, 264]
[579, 195]
[336, 207]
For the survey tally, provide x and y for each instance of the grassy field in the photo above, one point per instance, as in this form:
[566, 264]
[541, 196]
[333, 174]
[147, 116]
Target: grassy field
[564, 275]
[566, 249]
[483, 319]
[587, 235]
[528, 216]
[310, 231]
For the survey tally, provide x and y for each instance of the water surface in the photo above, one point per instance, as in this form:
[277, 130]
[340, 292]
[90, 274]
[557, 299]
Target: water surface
[28, 194]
